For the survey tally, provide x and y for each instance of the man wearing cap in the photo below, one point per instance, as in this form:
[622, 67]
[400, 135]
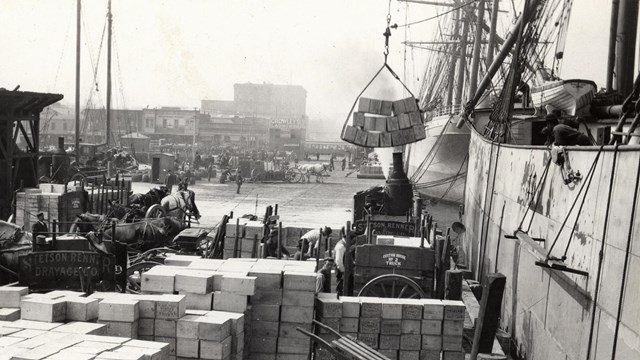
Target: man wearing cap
[40, 227]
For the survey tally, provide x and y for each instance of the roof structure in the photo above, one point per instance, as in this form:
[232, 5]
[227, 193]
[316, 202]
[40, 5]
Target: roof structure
[24, 103]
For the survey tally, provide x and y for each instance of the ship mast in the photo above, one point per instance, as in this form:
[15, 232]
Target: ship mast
[475, 61]
[462, 59]
[77, 137]
[452, 66]
[109, 21]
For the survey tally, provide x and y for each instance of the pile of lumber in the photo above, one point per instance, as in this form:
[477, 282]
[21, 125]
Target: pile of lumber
[398, 328]
[381, 123]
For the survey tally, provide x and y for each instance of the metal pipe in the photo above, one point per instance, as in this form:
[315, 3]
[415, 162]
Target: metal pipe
[613, 31]
[475, 61]
[626, 46]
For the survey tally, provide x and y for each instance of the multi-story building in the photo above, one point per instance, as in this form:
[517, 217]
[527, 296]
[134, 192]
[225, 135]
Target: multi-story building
[270, 101]
[172, 123]
[259, 115]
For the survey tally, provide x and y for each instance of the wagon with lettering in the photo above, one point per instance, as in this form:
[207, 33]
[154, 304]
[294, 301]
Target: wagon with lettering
[392, 261]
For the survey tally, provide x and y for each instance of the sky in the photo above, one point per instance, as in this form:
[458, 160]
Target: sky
[178, 52]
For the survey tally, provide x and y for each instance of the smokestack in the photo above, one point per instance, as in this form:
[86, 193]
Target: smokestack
[398, 190]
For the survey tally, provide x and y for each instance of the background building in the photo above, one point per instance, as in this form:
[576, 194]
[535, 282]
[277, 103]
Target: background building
[268, 115]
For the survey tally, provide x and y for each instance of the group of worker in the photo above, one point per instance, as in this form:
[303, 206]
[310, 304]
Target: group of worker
[308, 247]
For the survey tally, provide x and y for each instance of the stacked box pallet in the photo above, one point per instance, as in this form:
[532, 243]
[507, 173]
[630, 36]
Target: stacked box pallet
[403, 329]
[157, 316]
[211, 335]
[28, 340]
[250, 234]
[10, 302]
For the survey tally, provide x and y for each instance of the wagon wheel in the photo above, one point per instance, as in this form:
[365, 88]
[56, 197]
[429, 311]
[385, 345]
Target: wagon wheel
[134, 274]
[257, 174]
[79, 177]
[290, 175]
[300, 177]
[392, 286]
[155, 212]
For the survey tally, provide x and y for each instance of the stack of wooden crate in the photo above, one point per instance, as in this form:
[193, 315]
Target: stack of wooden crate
[381, 123]
[24, 339]
[247, 245]
[398, 328]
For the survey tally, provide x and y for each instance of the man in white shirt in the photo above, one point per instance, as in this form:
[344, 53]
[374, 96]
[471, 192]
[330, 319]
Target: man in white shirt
[313, 238]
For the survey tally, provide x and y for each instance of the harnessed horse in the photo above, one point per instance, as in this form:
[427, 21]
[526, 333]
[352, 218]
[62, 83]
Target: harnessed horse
[13, 242]
[177, 204]
[318, 170]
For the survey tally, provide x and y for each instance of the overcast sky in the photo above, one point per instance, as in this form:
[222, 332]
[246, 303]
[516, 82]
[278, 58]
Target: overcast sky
[177, 52]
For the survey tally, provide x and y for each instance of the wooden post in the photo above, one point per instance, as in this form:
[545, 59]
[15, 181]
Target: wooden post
[347, 288]
[453, 285]
[422, 229]
[438, 246]
[254, 250]
[487, 322]
[54, 227]
[237, 236]
[91, 202]
[279, 238]
[276, 210]
[319, 243]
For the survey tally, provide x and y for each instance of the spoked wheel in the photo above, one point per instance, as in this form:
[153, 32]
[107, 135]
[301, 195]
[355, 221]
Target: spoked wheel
[290, 175]
[134, 274]
[257, 174]
[392, 286]
[155, 212]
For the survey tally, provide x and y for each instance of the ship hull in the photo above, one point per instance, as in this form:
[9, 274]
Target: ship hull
[437, 164]
[547, 312]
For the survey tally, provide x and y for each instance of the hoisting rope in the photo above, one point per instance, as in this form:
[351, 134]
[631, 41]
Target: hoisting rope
[386, 34]
[538, 193]
[585, 186]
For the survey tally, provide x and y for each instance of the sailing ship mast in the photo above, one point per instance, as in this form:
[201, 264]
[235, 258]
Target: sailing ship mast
[109, 22]
[77, 137]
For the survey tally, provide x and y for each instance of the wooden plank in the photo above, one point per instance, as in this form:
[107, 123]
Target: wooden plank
[487, 323]
[453, 285]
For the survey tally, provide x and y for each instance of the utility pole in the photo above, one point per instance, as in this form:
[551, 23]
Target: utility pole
[193, 140]
[109, 22]
[77, 137]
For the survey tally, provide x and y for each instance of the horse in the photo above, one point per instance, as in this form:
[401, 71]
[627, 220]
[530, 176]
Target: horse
[177, 204]
[148, 232]
[153, 196]
[87, 222]
[318, 170]
[124, 213]
[13, 242]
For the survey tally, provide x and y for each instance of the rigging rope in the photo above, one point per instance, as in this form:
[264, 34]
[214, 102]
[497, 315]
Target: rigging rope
[437, 16]
[585, 182]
